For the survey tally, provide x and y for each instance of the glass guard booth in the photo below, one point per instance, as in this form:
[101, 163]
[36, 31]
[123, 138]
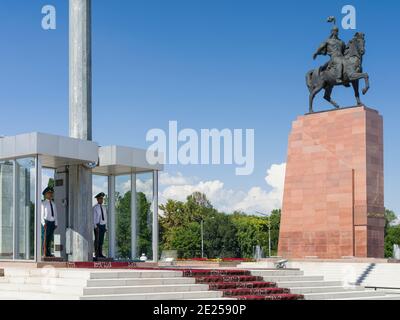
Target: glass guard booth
[23, 159]
[29, 162]
[131, 185]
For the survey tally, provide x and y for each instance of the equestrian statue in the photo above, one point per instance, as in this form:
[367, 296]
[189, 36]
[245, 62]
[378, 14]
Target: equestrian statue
[343, 69]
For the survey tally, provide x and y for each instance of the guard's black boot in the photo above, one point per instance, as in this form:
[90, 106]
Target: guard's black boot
[101, 252]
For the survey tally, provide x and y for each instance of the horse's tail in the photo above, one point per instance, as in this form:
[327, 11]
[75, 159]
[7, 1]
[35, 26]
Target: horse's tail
[309, 80]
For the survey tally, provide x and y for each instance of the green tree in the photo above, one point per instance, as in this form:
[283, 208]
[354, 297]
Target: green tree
[144, 225]
[220, 239]
[390, 216]
[275, 227]
[224, 235]
[123, 225]
[392, 238]
[392, 233]
[252, 231]
[179, 215]
[186, 240]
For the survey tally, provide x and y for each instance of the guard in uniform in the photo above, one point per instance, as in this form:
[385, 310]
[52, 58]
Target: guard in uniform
[49, 220]
[100, 225]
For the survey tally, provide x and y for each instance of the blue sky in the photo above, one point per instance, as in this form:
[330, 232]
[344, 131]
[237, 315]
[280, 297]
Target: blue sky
[207, 64]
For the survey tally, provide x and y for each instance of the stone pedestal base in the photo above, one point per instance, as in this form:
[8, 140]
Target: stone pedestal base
[333, 204]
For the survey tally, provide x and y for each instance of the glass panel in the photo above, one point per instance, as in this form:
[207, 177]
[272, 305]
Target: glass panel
[6, 209]
[144, 185]
[100, 184]
[25, 208]
[123, 217]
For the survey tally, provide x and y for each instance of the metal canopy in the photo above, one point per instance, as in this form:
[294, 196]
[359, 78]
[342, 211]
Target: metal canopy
[55, 151]
[117, 160]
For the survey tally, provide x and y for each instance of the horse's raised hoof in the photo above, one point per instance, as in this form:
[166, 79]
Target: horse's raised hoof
[364, 91]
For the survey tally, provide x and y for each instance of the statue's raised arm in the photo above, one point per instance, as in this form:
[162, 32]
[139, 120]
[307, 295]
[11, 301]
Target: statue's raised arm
[322, 50]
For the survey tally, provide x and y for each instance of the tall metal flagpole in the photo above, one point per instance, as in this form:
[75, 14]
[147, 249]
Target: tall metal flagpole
[80, 127]
[80, 69]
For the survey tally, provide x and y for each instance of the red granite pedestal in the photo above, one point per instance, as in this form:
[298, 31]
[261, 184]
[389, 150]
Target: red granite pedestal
[333, 203]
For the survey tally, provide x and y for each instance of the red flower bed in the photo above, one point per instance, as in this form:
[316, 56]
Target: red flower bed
[216, 260]
[272, 297]
[194, 259]
[228, 279]
[254, 292]
[238, 260]
[204, 273]
[238, 285]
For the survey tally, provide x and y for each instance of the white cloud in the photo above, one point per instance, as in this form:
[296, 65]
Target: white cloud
[179, 187]
[229, 200]
[145, 186]
[178, 180]
[142, 185]
[276, 176]
[214, 190]
[395, 222]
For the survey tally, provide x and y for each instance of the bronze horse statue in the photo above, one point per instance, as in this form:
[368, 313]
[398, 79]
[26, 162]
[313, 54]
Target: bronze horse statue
[324, 78]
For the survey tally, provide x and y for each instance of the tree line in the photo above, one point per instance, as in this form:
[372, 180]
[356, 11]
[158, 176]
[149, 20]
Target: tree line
[225, 235]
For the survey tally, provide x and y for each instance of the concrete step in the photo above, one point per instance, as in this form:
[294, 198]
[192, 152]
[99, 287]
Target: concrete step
[292, 278]
[383, 297]
[158, 296]
[144, 289]
[12, 296]
[341, 295]
[136, 274]
[47, 281]
[138, 282]
[305, 290]
[90, 274]
[276, 273]
[47, 272]
[299, 284]
[386, 283]
[41, 288]
[81, 291]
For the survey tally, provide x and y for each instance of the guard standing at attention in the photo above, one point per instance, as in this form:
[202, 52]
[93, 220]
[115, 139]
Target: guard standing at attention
[100, 225]
[49, 220]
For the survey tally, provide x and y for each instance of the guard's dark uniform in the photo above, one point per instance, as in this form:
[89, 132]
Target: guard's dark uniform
[49, 222]
[100, 226]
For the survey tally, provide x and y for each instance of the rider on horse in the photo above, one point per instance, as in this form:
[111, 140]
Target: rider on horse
[343, 69]
[335, 48]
